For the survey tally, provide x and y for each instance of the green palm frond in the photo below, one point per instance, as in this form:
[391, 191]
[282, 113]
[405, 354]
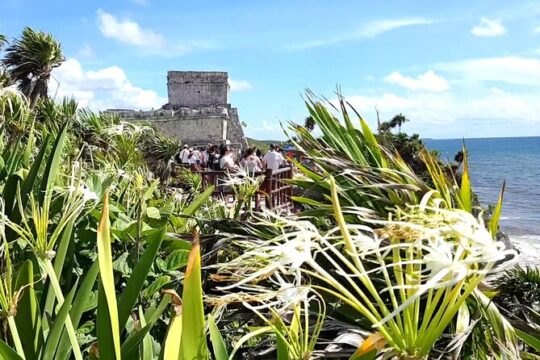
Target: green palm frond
[30, 61]
[366, 172]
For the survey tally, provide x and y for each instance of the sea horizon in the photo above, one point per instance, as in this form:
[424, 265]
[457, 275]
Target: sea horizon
[511, 160]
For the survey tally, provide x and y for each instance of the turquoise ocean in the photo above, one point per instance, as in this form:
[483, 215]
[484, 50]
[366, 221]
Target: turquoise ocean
[516, 161]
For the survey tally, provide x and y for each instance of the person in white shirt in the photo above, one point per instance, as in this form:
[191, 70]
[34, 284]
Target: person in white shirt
[251, 162]
[184, 155]
[226, 161]
[273, 159]
[197, 155]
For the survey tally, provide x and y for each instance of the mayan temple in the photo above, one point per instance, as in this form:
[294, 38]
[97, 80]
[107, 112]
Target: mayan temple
[198, 111]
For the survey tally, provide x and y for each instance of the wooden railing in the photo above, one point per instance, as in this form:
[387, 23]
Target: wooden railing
[274, 191]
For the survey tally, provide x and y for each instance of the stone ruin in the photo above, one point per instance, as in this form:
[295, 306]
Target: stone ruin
[198, 112]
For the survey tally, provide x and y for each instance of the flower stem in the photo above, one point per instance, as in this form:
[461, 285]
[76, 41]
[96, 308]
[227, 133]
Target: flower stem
[15, 335]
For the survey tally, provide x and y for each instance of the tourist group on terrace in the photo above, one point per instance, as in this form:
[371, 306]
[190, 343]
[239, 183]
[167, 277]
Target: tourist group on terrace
[223, 157]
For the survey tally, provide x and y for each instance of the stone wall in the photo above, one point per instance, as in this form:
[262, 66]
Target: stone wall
[195, 131]
[198, 112]
[235, 131]
[196, 89]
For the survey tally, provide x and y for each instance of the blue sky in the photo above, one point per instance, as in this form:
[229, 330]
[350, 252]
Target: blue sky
[456, 68]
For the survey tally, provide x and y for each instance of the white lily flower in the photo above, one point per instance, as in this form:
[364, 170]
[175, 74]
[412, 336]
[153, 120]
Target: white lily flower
[89, 195]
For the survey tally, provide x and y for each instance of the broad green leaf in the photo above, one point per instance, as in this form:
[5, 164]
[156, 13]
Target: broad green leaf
[153, 213]
[7, 353]
[529, 339]
[282, 347]
[173, 339]
[176, 259]
[28, 318]
[10, 191]
[56, 329]
[78, 307]
[31, 177]
[220, 350]
[155, 286]
[54, 164]
[194, 340]
[108, 323]
[180, 222]
[127, 300]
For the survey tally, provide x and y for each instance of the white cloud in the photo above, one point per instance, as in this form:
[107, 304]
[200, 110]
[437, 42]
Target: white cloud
[536, 30]
[239, 85]
[428, 81]
[101, 89]
[368, 30]
[489, 27]
[448, 115]
[130, 32]
[510, 69]
[375, 28]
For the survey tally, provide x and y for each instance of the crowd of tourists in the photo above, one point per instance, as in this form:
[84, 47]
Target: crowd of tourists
[214, 157]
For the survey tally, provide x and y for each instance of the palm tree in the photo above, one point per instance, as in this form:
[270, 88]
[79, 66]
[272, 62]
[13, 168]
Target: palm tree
[5, 80]
[309, 123]
[398, 120]
[30, 61]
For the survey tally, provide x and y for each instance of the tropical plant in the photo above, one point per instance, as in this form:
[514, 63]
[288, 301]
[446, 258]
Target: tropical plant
[30, 61]
[428, 261]
[397, 121]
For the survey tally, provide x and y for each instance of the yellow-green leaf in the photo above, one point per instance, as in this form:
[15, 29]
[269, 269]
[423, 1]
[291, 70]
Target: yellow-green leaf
[466, 191]
[174, 332]
[193, 341]
[106, 274]
[494, 221]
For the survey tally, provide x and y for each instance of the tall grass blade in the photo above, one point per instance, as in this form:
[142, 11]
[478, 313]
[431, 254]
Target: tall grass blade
[218, 345]
[108, 324]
